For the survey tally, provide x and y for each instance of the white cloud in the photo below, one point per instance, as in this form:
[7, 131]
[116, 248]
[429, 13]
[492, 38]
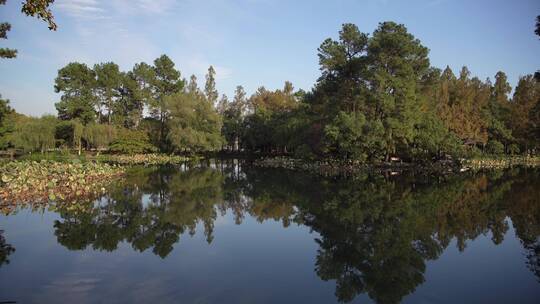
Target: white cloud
[82, 8]
[140, 7]
[156, 6]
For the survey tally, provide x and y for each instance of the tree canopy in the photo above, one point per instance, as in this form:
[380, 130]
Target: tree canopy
[377, 98]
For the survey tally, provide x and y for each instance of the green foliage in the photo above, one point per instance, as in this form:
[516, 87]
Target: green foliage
[524, 119]
[513, 149]
[210, 90]
[344, 135]
[269, 125]
[77, 83]
[41, 10]
[194, 124]
[233, 118]
[108, 87]
[495, 147]
[433, 138]
[99, 136]
[7, 115]
[377, 81]
[377, 97]
[37, 8]
[132, 142]
[34, 134]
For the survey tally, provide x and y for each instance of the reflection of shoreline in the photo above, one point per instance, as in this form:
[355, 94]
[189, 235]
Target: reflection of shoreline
[371, 229]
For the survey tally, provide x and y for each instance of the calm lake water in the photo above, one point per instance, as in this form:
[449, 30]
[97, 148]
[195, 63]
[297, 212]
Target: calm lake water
[228, 233]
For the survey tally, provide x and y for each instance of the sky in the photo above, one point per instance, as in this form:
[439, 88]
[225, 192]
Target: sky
[254, 43]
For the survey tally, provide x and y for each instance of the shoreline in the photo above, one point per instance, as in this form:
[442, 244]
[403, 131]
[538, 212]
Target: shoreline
[344, 168]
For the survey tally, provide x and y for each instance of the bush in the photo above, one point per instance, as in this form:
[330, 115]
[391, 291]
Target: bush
[513, 149]
[495, 147]
[304, 152]
[132, 142]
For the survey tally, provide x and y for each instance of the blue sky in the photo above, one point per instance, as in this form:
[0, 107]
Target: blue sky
[254, 42]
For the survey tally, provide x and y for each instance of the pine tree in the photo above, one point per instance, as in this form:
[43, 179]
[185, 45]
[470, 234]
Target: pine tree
[76, 82]
[108, 87]
[210, 90]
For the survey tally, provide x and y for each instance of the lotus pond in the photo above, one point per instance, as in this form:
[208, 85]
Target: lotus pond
[226, 232]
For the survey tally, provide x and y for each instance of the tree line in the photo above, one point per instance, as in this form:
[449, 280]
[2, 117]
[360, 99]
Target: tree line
[377, 97]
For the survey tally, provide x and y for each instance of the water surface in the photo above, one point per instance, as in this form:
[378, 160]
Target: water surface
[228, 233]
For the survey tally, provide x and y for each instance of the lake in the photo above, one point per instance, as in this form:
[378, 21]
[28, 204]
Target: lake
[226, 232]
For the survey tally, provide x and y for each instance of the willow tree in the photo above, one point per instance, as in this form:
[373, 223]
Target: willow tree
[34, 134]
[99, 136]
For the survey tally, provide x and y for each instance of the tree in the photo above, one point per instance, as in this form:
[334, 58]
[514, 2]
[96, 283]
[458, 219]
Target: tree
[40, 9]
[34, 134]
[269, 111]
[344, 136]
[210, 86]
[6, 125]
[34, 8]
[98, 136]
[166, 82]
[222, 104]
[379, 77]
[343, 66]
[131, 142]
[109, 81]
[526, 98]
[4, 28]
[537, 32]
[194, 124]
[77, 83]
[498, 115]
[192, 86]
[461, 104]
[397, 63]
[128, 108]
[233, 118]
[534, 124]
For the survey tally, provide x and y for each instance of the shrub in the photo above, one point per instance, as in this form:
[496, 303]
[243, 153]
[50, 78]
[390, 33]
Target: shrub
[495, 147]
[132, 142]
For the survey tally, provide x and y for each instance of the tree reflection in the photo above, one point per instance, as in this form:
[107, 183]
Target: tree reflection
[150, 209]
[5, 249]
[375, 233]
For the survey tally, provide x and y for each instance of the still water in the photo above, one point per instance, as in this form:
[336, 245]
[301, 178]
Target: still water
[223, 232]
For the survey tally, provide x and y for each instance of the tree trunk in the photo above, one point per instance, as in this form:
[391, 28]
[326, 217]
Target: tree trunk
[110, 112]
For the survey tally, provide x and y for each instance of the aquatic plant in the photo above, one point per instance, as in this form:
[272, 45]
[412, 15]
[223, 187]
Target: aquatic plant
[144, 159]
[38, 183]
[501, 162]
